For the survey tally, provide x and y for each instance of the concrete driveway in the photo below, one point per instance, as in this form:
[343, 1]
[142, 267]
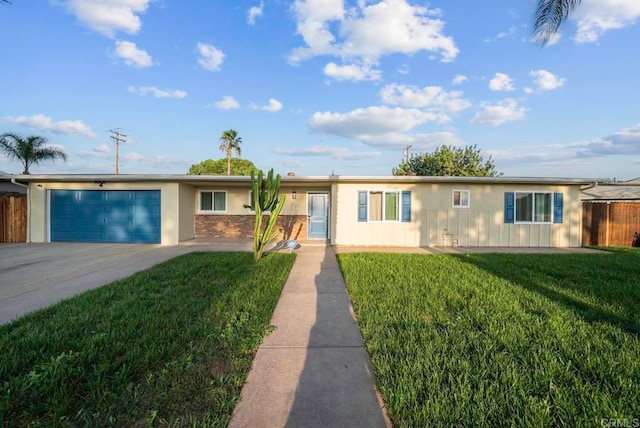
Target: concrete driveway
[33, 276]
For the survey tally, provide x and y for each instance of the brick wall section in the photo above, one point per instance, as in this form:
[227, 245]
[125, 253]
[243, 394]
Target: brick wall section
[241, 226]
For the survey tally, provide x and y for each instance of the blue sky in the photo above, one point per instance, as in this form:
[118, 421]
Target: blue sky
[322, 86]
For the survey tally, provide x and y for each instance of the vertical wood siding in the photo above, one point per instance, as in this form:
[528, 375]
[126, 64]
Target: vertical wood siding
[610, 224]
[13, 219]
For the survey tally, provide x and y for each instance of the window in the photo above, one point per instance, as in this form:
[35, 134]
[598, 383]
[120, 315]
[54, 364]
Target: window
[250, 204]
[461, 198]
[213, 201]
[383, 206]
[379, 205]
[533, 207]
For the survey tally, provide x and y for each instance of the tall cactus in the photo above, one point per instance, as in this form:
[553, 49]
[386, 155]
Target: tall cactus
[266, 197]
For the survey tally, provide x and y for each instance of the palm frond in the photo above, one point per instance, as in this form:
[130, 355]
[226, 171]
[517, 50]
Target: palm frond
[550, 14]
[30, 150]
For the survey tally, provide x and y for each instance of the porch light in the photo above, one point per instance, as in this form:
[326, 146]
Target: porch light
[294, 194]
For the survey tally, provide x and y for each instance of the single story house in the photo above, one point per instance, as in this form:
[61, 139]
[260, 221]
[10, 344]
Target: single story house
[345, 210]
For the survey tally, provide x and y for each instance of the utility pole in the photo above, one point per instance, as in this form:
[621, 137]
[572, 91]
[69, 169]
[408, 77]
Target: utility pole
[406, 152]
[118, 138]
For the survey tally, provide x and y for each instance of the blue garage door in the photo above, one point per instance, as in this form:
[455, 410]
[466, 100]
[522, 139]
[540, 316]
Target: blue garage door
[105, 216]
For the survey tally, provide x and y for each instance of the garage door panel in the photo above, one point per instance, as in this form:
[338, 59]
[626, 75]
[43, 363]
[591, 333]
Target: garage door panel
[105, 216]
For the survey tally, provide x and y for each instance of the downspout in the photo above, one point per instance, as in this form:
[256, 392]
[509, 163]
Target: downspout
[13, 181]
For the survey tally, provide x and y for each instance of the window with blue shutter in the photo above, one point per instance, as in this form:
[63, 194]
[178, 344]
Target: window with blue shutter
[509, 207]
[406, 206]
[362, 205]
[557, 207]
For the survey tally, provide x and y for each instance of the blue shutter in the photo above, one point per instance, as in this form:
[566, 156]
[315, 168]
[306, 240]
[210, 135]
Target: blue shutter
[406, 206]
[557, 208]
[362, 205]
[509, 205]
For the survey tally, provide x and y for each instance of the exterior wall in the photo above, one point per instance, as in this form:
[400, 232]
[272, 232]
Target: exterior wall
[482, 224]
[187, 198]
[238, 221]
[237, 197]
[39, 206]
[241, 226]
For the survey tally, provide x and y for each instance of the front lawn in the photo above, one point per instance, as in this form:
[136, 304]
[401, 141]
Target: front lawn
[501, 339]
[170, 345]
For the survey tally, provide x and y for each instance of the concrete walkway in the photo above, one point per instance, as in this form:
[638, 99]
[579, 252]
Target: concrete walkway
[313, 370]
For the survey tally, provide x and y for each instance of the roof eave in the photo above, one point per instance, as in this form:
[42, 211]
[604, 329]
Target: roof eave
[182, 178]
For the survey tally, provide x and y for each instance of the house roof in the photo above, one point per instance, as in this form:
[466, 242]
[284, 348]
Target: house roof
[293, 180]
[613, 192]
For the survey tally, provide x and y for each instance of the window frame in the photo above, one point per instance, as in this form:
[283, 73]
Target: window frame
[453, 198]
[213, 210]
[249, 201]
[384, 193]
[533, 206]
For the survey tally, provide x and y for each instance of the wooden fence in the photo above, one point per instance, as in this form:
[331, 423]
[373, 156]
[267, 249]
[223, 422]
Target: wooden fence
[13, 219]
[610, 223]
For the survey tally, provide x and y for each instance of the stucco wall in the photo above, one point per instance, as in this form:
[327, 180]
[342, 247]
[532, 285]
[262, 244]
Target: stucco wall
[482, 224]
[187, 212]
[237, 197]
[169, 209]
[236, 217]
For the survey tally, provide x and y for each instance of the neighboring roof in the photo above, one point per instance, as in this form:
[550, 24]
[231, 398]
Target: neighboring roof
[6, 186]
[612, 192]
[325, 179]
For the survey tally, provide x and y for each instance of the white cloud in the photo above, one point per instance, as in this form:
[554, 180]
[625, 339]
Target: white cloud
[227, 103]
[433, 97]
[459, 79]
[595, 17]
[501, 82]
[545, 80]
[625, 142]
[211, 58]
[255, 12]
[503, 111]
[337, 153]
[357, 36]
[102, 148]
[133, 56]
[351, 72]
[554, 39]
[132, 156]
[109, 16]
[44, 123]
[158, 93]
[292, 163]
[404, 69]
[501, 35]
[369, 121]
[312, 17]
[273, 106]
[393, 140]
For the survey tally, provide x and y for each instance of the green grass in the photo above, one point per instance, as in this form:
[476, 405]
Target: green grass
[169, 346]
[501, 339]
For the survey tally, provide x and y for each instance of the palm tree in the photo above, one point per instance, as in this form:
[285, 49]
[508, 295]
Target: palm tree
[30, 150]
[230, 142]
[549, 16]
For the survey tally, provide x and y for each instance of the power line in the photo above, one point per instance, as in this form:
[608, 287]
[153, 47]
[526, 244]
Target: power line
[118, 138]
